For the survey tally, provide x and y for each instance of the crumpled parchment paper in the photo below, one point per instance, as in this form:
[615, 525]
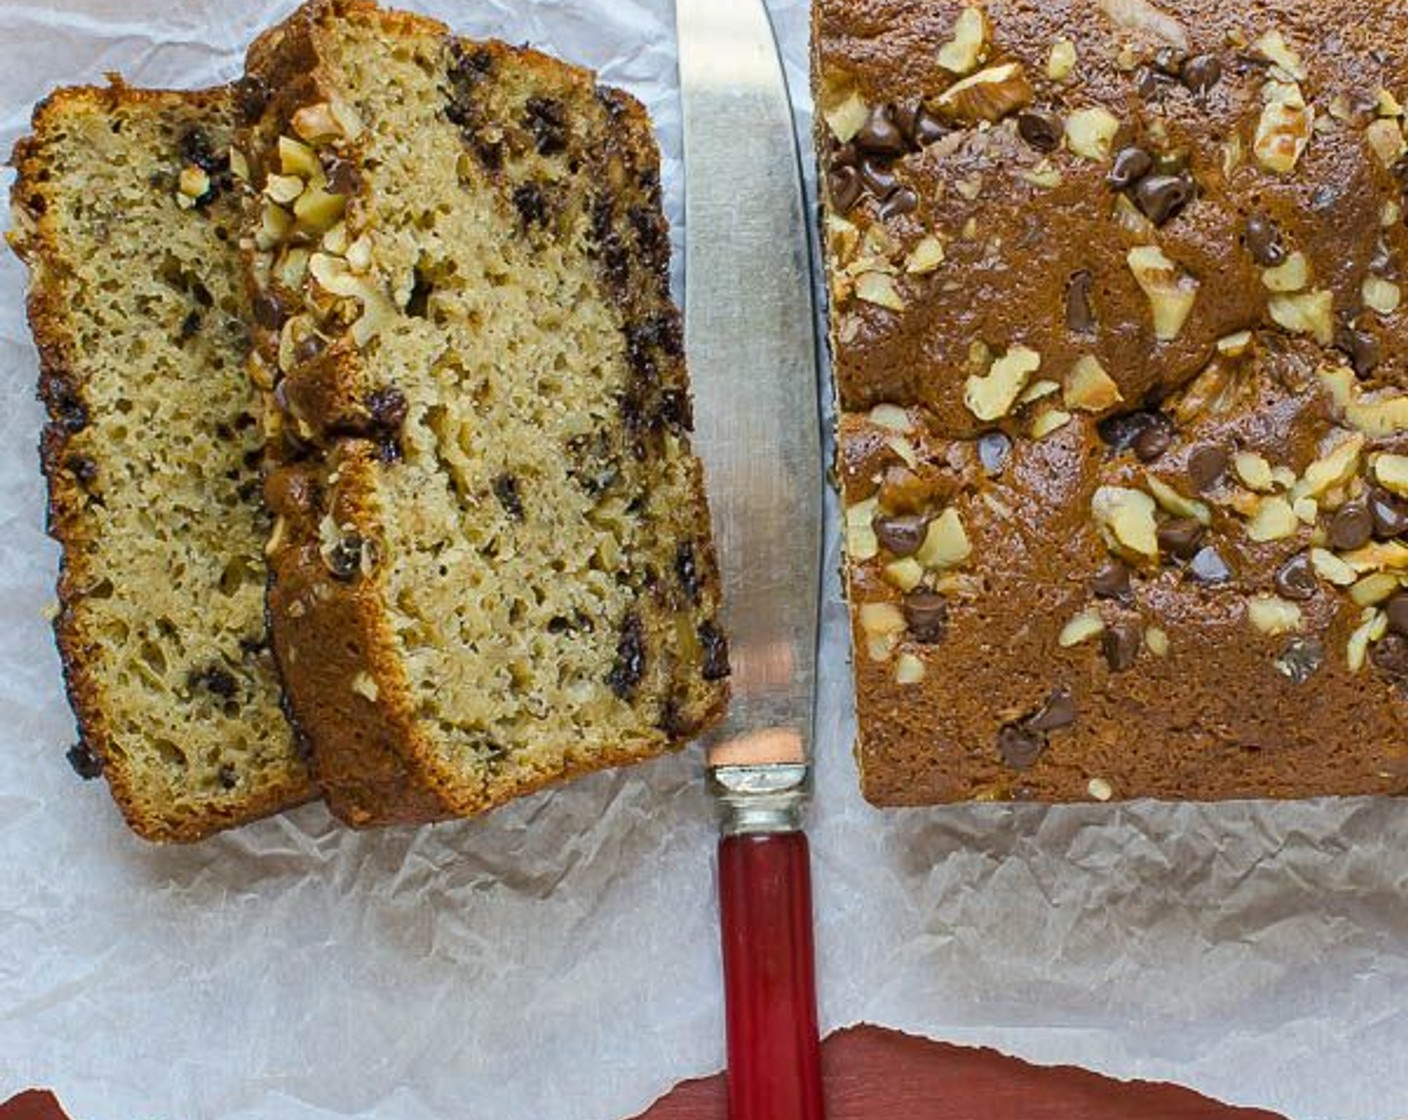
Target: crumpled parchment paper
[558, 960]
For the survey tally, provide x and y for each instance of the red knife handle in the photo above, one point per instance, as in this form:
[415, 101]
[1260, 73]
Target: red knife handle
[765, 899]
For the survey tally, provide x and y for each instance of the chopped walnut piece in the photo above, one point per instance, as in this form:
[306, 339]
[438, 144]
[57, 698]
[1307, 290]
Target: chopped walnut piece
[1274, 520]
[1126, 518]
[926, 256]
[1311, 313]
[988, 95]
[991, 396]
[1272, 615]
[1284, 129]
[1177, 504]
[1391, 471]
[1171, 291]
[1091, 132]
[1385, 137]
[879, 289]
[1081, 628]
[1089, 388]
[846, 116]
[962, 53]
[1382, 296]
[946, 544]
[1273, 47]
[908, 669]
[1062, 60]
[1292, 275]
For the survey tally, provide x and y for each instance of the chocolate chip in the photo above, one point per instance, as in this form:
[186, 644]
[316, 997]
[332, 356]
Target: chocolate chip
[1059, 711]
[880, 136]
[1208, 567]
[1131, 165]
[227, 776]
[1040, 128]
[1300, 659]
[1019, 747]
[1201, 72]
[1080, 315]
[83, 469]
[344, 177]
[924, 128]
[388, 408]
[532, 207]
[1390, 514]
[309, 347]
[1120, 644]
[903, 201]
[1112, 582]
[687, 570]
[1324, 198]
[1206, 466]
[926, 614]
[1351, 527]
[345, 558]
[879, 179]
[1295, 579]
[547, 121]
[846, 187]
[1180, 537]
[190, 326]
[1153, 441]
[993, 451]
[716, 666]
[86, 762]
[269, 311]
[1149, 430]
[506, 490]
[1362, 347]
[1397, 610]
[901, 535]
[1160, 197]
[215, 680]
[69, 412]
[629, 666]
[1390, 653]
[1264, 241]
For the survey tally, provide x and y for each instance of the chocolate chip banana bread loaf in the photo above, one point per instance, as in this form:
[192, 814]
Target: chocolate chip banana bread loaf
[1116, 296]
[125, 211]
[492, 560]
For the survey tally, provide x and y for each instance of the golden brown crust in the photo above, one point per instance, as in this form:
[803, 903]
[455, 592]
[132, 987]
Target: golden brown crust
[970, 238]
[369, 747]
[37, 207]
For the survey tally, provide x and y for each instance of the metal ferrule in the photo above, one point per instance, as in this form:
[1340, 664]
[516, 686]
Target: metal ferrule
[769, 798]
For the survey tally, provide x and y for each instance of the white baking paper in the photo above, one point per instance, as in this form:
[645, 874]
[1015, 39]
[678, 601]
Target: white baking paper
[558, 960]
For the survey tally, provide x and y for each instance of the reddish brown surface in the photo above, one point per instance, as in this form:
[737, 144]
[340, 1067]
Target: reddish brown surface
[32, 1104]
[876, 1074]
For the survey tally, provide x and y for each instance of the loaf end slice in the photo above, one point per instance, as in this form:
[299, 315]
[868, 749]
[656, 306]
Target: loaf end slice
[492, 561]
[126, 212]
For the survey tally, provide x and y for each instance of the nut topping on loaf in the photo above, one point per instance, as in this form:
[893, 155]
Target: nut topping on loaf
[492, 563]
[125, 212]
[1119, 336]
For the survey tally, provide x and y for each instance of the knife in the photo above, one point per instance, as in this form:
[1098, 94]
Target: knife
[751, 346]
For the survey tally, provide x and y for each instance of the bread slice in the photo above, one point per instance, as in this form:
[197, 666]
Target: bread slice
[492, 560]
[125, 211]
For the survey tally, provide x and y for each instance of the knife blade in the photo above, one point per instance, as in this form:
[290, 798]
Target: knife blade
[751, 346]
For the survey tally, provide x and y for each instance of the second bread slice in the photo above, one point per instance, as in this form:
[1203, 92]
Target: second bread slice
[492, 560]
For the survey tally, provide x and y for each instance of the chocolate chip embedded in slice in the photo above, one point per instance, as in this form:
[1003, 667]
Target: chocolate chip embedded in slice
[1080, 314]
[1362, 347]
[1153, 441]
[1264, 241]
[926, 614]
[1040, 128]
[920, 127]
[1059, 711]
[846, 187]
[716, 666]
[903, 201]
[1206, 467]
[1208, 567]
[1112, 582]
[1201, 72]
[901, 534]
[629, 666]
[1149, 431]
[1180, 537]
[879, 179]
[85, 761]
[1300, 659]
[1295, 579]
[1160, 197]
[880, 136]
[1390, 653]
[1397, 610]
[1131, 165]
[1019, 747]
[1390, 514]
[993, 451]
[1120, 644]
[1351, 527]
[506, 490]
